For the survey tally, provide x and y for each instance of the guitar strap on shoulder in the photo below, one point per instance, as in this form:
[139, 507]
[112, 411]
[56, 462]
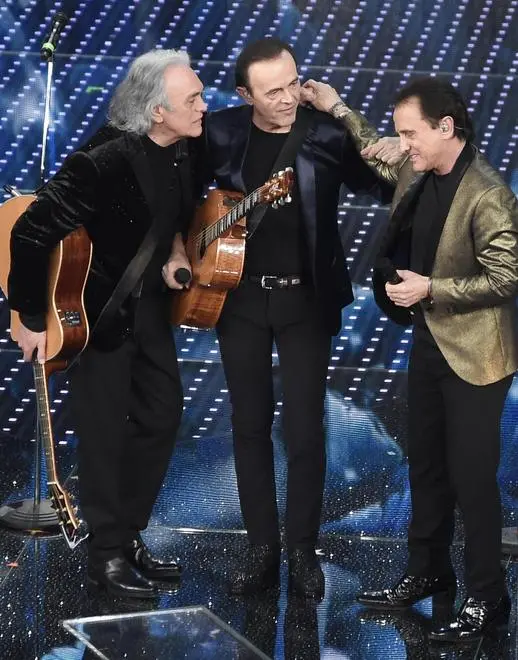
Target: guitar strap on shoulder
[285, 158]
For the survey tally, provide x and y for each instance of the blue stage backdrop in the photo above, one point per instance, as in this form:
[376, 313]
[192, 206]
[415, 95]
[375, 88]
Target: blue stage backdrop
[367, 49]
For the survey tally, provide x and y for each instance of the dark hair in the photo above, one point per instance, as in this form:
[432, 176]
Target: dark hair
[268, 48]
[439, 99]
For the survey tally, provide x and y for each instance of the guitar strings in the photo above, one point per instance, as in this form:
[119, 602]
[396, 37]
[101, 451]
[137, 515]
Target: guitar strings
[205, 233]
[201, 241]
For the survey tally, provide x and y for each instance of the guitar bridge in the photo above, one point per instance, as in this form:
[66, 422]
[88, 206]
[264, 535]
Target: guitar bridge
[71, 319]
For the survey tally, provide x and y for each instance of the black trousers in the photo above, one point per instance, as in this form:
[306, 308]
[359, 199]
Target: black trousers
[453, 455]
[252, 319]
[127, 405]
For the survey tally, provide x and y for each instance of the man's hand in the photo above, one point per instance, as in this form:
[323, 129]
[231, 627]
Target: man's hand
[178, 259]
[321, 95]
[410, 291]
[387, 149]
[30, 341]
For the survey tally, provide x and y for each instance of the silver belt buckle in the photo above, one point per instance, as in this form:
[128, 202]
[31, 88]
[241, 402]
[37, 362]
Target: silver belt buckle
[263, 281]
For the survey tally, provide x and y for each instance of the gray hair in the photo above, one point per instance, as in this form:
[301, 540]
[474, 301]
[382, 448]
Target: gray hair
[143, 90]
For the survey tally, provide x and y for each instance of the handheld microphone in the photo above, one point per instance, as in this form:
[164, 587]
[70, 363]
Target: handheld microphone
[182, 275]
[388, 271]
[49, 46]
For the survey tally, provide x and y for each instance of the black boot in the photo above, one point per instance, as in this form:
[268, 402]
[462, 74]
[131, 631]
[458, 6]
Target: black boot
[475, 619]
[305, 577]
[409, 590]
[260, 570]
[119, 578]
[139, 556]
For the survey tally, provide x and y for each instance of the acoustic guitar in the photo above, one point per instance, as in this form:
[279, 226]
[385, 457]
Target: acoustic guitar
[67, 336]
[216, 249]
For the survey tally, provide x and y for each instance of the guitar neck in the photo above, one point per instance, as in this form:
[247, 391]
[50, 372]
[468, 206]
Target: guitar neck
[223, 224]
[44, 422]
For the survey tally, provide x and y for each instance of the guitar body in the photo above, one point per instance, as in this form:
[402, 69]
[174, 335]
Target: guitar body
[215, 271]
[67, 336]
[67, 325]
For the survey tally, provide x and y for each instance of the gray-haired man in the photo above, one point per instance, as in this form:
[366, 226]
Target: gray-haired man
[126, 391]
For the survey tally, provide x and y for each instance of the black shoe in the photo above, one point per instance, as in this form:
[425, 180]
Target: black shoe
[475, 619]
[259, 572]
[139, 556]
[305, 577]
[119, 578]
[409, 590]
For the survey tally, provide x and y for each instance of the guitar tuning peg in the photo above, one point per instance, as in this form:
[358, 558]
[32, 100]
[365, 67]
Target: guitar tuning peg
[274, 205]
[75, 509]
[288, 199]
[281, 201]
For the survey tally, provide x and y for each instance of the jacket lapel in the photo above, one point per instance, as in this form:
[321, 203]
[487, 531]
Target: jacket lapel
[239, 147]
[140, 165]
[305, 171]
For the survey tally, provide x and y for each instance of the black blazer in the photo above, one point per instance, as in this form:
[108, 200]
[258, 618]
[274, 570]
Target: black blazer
[326, 159]
[107, 187]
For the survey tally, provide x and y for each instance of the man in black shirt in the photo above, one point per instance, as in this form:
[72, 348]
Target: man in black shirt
[126, 392]
[294, 286]
[453, 235]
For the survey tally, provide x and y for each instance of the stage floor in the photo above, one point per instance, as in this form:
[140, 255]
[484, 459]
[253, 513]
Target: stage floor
[42, 583]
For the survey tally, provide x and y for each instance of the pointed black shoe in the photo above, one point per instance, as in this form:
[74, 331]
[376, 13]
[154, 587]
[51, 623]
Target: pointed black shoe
[305, 576]
[119, 578]
[410, 590]
[259, 572]
[139, 556]
[475, 619]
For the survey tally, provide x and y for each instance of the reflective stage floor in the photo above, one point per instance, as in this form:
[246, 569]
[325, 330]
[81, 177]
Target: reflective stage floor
[42, 583]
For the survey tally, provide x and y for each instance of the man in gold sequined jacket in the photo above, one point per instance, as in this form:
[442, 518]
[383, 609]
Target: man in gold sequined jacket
[449, 266]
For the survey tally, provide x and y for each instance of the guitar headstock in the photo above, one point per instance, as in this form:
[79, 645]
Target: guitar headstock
[277, 189]
[73, 529]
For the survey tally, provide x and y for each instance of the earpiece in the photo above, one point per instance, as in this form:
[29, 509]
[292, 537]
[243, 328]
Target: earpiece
[444, 128]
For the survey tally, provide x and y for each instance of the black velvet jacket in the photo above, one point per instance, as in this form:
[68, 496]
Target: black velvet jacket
[107, 187]
[327, 158]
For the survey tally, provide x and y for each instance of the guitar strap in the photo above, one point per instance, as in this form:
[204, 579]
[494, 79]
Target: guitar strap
[136, 267]
[285, 158]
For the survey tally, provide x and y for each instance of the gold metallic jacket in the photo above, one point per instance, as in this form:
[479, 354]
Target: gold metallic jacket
[475, 272]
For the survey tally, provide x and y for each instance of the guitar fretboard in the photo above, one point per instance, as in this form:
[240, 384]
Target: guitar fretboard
[44, 424]
[214, 231]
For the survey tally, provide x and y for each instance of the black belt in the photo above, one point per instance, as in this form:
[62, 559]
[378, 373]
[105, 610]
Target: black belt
[274, 281]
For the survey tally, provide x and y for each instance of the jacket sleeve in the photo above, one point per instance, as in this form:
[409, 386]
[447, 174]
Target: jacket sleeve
[65, 203]
[495, 237]
[364, 135]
